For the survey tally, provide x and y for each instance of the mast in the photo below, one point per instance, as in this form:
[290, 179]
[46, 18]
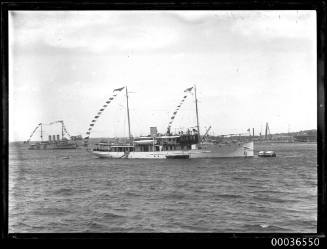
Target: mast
[62, 130]
[129, 125]
[41, 132]
[197, 114]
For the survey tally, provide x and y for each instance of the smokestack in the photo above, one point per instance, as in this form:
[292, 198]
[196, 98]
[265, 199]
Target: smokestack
[153, 131]
[253, 131]
[54, 138]
[58, 138]
[49, 138]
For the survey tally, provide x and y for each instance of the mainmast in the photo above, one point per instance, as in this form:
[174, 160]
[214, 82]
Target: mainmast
[41, 132]
[129, 125]
[62, 130]
[197, 114]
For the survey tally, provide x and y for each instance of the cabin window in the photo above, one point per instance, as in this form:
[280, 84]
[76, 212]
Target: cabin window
[145, 148]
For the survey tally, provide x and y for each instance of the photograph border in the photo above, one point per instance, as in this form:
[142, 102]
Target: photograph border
[318, 6]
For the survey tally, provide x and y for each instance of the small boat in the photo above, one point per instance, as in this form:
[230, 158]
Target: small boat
[267, 154]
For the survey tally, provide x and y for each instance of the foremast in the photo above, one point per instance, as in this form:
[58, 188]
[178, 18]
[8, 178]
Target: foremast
[197, 114]
[128, 118]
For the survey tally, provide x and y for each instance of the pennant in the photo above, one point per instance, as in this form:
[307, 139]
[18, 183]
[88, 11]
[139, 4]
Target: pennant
[99, 113]
[105, 105]
[107, 102]
[96, 116]
[185, 96]
[88, 133]
[91, 124]
[188, 89]
[119, 89]
[86, 138]
[111, 98]
[93, 120]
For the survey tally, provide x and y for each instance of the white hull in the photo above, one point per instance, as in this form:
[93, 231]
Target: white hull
[206, 151]
[138, 155]
[237, 149]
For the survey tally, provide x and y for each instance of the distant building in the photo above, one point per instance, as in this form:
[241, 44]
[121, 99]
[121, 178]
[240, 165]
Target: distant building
[283, 138]
[305, 138]
[76, 138]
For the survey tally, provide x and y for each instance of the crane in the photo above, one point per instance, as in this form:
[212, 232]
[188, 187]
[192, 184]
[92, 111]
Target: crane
[205, 134]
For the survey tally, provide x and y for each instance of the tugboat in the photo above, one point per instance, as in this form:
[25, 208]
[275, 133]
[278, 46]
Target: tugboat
[184, 145]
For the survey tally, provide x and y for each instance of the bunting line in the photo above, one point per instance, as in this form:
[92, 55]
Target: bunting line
[65, 130]
[33, 132]
[95, 118]
[187, 90]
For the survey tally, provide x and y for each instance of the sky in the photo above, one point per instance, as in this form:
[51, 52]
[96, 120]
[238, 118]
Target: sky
[249, 68]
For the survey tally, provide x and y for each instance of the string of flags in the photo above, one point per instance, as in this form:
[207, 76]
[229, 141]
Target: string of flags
[91, 125]
[33, 132]
[187, 90]
[65, 130]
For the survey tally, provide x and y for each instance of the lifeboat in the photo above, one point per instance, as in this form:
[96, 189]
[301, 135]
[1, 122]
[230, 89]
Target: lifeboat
[267, 154]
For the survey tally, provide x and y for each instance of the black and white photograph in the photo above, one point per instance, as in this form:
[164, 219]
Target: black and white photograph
[162, 121]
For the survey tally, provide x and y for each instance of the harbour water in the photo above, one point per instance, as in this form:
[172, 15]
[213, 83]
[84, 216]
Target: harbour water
[73, 191]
